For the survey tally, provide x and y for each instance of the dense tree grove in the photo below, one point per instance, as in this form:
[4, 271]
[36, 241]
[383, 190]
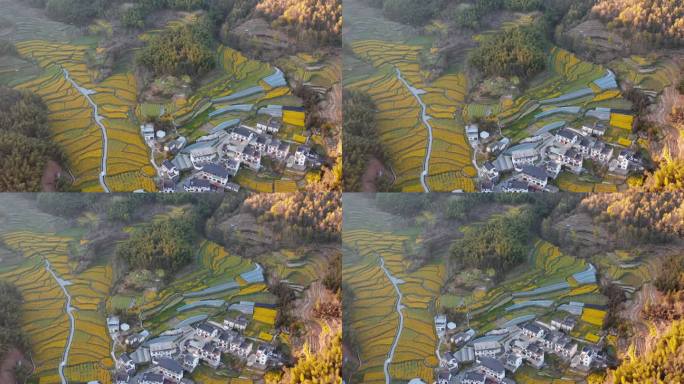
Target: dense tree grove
[35, 3]
[659, 22]
[7, 48]
[470, 14]
[322, 367]
[136, 15]
[309, 215]
[519, 51]
[500, 244]
[11, 335]
[465, 13]
[669, 176]
[179, 51]
[635, 217]
[360, 139]
[67, 205]
[310, 20]
[333, 277]
[671, 275]
[25, 145]
[79, 12]
[409, 11]
[661, 364]
[168, 245]
[402, 204]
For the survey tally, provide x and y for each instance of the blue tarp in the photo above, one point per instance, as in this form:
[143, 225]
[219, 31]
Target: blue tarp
[571, 110]
[544, 289]
[276, 80]
[232, 108]
[254, 276]
[569, 96]
[588, 276]
[191, 320]
[518, 320]
[226, 124]
[203, 303]
[599, 113]
[607, 82]
[240, 94]
[215, 289]
[531, 303]
[550, 127]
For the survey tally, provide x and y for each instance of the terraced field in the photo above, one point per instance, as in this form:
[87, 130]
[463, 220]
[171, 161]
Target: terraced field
[45, 320]
[243, 88]
[74, 121]
[439, 147]
[96, 120]
[550, 284]
[320, 73]
[374, 319]
[569, 92]
[298, 267]
[652, 75]
[220, 278]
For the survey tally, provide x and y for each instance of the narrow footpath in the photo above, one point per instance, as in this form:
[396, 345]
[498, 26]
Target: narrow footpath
[416, 92]
[69, 311]
[390, 356]
[98, 120]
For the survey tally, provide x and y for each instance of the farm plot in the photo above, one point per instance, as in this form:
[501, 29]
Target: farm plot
[374, 319]
[568, 93]
[551, 280]
[400, 123]
[45, 321]
[298, 267]
[238, 84]
[649, 75]
[72, 121]
[244, 89]
[568, 84]
[221, 278]
[320, 73]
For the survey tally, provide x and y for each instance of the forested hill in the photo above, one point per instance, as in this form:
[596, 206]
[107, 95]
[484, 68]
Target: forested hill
[25, 145]
[314, 20]
[658, 21]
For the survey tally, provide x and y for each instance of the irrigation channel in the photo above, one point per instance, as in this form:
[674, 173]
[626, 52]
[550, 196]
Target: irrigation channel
[426, 120]
[69, 311]
[390, 356]
[98, 120]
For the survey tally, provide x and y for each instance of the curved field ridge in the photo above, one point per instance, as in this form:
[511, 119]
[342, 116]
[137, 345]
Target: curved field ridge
[67, 331]
[98, 120]
[426, 121]
[202, 303]
[91, 120]
[390, 356]
[374, 316]
[69, 310]
[419, 122]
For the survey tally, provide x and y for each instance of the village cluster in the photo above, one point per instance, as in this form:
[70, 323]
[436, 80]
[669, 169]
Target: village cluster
[167, 358]
[212, 161]
[487, 359]
[530, 165]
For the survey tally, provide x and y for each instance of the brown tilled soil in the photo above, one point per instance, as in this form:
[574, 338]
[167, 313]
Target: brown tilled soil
[11, 360]
[373, 171]
[50, 175]
[661, 115]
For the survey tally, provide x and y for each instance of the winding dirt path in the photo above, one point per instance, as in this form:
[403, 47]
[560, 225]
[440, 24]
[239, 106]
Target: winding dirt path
[416, 92]
[390, 356]
[98, 120]
[69, 311]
